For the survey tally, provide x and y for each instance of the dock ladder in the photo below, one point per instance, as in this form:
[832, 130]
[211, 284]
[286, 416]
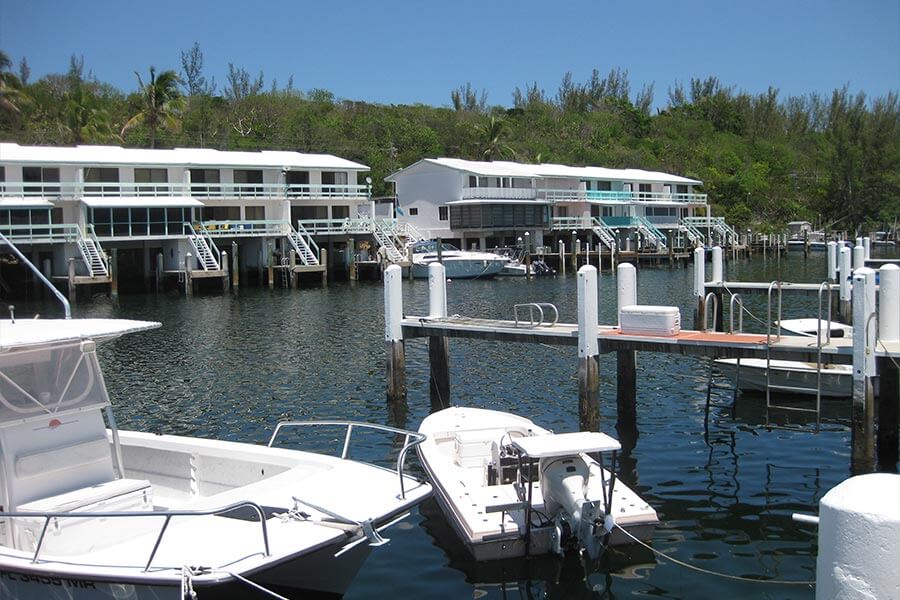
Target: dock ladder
[303, 244]
[207, 252]
[770, 387]
[737, 303]
[92, 254]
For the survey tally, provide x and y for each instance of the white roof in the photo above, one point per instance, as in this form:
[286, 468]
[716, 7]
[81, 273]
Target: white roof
[502, 168]
[39, 332]
[187, 157]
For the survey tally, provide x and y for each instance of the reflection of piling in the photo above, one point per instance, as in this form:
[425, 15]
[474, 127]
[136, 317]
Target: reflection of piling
[188, 272]
[626, 360]
[393, 335]
[438, 346]
[588, 350]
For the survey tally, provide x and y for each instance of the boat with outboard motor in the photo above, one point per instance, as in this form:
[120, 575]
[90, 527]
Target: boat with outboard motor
[510, 488]
[832, 379]
[88, 511]
[459, 264]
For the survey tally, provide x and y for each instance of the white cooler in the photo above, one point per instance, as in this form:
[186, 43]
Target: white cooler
[639, 319]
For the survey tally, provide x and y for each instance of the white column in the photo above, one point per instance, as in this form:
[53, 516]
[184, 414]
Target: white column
[859, 257]
[699, 273]
[437, 290]
[864, 323]
[393, 304]
[717, 270]
[588, 313]
[889, 304]
[867, 244]
[626, 286]
[845, 273]
[832, 260]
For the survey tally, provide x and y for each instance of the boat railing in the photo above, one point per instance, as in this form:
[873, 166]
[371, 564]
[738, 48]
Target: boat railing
[37, 272]
[166, 515]
[411, 438]
[535, 308]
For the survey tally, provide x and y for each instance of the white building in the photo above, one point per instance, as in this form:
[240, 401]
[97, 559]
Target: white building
[489, 204]
[62, 202]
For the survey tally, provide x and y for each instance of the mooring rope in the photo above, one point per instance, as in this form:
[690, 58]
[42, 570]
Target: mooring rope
[256, 586]
[707, 571]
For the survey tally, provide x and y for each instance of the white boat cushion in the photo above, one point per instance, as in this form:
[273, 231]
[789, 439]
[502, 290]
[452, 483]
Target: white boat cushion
[85, 497]
[63, 458]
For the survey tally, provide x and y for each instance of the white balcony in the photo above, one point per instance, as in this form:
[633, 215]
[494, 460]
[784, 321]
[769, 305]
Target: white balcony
[217, 191]
[494, 193]
[619, 197]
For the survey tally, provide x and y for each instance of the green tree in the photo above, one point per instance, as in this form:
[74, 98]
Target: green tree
[12, 97]
[161, 104]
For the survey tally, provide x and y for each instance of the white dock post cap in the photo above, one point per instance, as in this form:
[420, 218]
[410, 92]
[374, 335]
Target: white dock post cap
[393, 303]
[626, 285]
[859, 257]
[889, 304]
[588, 312]
[859, 539]
[700, 272]
[437, 290]
[717, 269]
[867, 245]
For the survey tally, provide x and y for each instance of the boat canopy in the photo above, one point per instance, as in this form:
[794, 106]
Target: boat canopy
[426, 246]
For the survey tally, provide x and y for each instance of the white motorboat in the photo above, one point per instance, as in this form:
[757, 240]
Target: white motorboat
[801, 377]
[88, 511]
[512, 489]
[459, 264]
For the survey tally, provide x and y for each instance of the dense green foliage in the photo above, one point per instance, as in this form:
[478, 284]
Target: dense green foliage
[764, 159]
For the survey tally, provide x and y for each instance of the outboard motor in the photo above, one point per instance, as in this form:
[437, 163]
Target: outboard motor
[579, 522]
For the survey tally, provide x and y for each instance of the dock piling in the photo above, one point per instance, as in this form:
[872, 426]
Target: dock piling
[867, 247]
[235, 267]
[863, 410]
[832, 261]
[859, 257]
[223, 260]
[114, 273]
[159, 271]
[588, 350]
[888, 403]
[700, 287]
[438, 346]
[71, 280]
[718, 276]
[846, 290]
[393, 335]
[188, 280]
[626, 360]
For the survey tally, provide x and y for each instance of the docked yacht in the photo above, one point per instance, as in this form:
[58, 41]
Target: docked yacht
[511, 488]
[459, 264]
[88, 511]
[833, 380]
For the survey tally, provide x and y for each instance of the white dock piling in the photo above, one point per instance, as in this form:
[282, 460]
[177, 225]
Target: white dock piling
[699, 286]
[393, 334]
[626, 285]
[832, 261]
[863, 408]
[717, 269]
[867, 245]
[588, 350]
[889, 307]
[859, 539]
[438, 346]
[887, 444]
[859, 257]
[846, 289]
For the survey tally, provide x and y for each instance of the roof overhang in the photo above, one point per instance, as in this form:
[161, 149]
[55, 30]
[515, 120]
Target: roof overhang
[8, 203]
[142, 202]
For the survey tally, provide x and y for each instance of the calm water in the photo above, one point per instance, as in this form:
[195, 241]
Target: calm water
[230, 366]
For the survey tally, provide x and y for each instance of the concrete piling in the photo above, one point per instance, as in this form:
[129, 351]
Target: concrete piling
[393, 335]
[832, 261]
[438, 346]
[588, 350]
[863, 406]
[846, 287]
[887, 445]
[700, 288]
[626, 360]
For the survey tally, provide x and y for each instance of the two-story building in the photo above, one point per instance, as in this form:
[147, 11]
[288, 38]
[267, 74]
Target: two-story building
[62, 203]
[488, 204]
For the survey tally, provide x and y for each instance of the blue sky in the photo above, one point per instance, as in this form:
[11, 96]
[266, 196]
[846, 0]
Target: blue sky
[402, 52]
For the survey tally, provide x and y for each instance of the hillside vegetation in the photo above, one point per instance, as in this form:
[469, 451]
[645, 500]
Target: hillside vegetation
[765, 159]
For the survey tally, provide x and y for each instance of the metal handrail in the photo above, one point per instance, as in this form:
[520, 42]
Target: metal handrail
[307, 238]
[539, 307]
[67, 308]
[715, 311]
[167, 515]
[417, 438]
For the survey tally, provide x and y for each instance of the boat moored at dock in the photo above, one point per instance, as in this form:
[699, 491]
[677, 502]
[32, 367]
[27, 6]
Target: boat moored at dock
[459, 264]
[511, 488]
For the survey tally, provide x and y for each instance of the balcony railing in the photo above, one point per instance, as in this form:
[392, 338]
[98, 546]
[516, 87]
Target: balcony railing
[617, 197]
[41, 233]
[76, 190]
[492, 193]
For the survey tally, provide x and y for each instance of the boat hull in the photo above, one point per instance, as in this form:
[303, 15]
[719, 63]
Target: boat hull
[462, 268]
[836, 382]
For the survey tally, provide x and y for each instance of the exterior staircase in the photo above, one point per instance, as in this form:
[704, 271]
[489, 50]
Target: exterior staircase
[207, 254]
[693, 234]
[715, 225]
[651, 232]
[93, 256]
[389, 240]
[303, 244]
[602, 231]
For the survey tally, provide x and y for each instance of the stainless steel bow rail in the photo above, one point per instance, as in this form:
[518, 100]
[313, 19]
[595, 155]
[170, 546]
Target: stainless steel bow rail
[411, 438]
[166, 515]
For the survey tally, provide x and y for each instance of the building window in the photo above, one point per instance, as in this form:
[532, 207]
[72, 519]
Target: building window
[340, 212]
[102, 178]
[254, 213]
[473, 181]
[245, 179]
[644, 190]
[297, 182]
[331, 180]
[158, 177]
[413, 212]
[200, 180]
[123, 222]
[33, 177]
[443, 213]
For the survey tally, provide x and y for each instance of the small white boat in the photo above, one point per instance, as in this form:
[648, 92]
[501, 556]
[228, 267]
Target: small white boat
[458, 264]
[88, 511]
[512, 489]
[802, 377]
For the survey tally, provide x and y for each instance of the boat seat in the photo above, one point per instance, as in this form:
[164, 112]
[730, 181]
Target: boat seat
[90, 497]
[80, 454]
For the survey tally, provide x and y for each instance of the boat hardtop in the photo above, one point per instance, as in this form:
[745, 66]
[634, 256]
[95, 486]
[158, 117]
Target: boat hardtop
[511, 488]
[97, 508]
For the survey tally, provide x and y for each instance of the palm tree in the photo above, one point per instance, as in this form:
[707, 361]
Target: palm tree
[492, 145]
[87, 121]
[162, 104]
[11, 95]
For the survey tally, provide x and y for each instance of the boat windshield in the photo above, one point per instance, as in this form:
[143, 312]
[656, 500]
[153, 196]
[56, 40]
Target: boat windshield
[426, 247]
[44, 381]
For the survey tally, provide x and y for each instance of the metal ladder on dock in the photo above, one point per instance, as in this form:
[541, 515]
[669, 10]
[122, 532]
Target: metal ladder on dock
[303, 244]
[92, 254]
[770, 387]
[285, 272]
[207, 252]
[734, 389]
